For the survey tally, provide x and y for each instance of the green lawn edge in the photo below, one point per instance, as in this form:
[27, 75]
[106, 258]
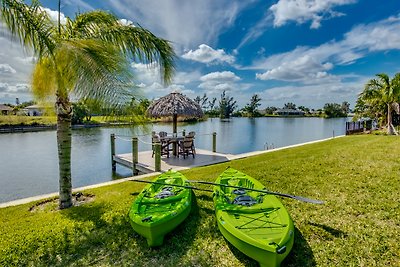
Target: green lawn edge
[359, 225]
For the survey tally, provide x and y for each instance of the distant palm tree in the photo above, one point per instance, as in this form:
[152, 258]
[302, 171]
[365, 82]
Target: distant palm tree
[383, 91]
[289, 105]
[84, 58]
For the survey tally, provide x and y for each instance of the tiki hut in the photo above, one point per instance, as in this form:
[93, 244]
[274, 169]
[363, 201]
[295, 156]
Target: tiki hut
[174, 105]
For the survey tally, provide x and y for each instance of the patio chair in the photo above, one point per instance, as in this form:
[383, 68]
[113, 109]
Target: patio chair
[164, 146]
[192, 134]
[186, 147]
[165, 142]
[162, 134]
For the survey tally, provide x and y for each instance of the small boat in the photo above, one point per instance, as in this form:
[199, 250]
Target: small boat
[160, 207]
[255, 223]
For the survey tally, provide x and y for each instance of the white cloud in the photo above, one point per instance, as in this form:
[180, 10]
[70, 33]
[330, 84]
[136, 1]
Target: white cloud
[304, 69]
[156, 90]
[314, 96]
[6, 69]
[186, 23]
[224, 76]
[9, 92]
[302, 11]
[148, 74]
[206, 54]
[148, 80]
[26, 60]
[220, 81]
[309, 64]
[16, 88]
[54, 15]
[126, 22]
[182, 77]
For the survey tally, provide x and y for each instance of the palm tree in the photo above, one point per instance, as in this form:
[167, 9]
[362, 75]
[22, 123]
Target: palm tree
[383, 91]
[85, 58]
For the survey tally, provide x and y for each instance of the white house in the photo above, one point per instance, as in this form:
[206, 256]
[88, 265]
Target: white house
[289, 112]
[34, 110]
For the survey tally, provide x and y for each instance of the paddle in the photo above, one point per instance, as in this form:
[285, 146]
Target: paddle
[304, 199]
[177, 185]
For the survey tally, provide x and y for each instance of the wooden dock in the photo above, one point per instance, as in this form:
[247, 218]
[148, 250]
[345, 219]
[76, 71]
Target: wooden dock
[146, 163]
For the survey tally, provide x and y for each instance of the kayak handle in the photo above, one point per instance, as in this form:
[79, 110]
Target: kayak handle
[279, 249]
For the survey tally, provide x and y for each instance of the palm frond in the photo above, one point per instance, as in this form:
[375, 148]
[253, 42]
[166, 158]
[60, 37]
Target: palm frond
[371, 90]
[134, 41]
[31, 24]
[143, 46]
[94, 69]
[86, 24]
[44, 79]
[384, 78]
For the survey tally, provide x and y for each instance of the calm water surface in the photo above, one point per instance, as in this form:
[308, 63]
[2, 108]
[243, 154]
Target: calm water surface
[29, 164]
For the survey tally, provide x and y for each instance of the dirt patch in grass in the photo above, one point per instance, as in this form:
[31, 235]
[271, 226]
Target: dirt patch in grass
[51, 204]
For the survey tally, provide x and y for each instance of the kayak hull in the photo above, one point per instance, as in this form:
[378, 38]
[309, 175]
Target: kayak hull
[262, 229]
[153, 217]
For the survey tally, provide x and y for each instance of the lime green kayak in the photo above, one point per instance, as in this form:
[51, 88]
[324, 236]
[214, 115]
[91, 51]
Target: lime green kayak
[161, 207]
[255, 223]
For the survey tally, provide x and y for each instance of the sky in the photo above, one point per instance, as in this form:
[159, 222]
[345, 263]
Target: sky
[308, 52]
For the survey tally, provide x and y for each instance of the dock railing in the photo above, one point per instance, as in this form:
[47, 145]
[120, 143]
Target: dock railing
[358, 126]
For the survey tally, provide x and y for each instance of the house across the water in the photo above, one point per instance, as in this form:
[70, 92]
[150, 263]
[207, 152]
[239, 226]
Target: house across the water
[34, 110]
[289, 112]
[5, 110]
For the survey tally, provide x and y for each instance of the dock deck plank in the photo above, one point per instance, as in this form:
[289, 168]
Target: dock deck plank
[146, 162]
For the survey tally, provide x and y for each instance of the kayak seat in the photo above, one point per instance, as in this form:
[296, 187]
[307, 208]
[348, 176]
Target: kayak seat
[244, 200]
[160, 200]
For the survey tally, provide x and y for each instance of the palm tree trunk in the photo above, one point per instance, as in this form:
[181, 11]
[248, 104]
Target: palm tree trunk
[64, 153]
[389, 120]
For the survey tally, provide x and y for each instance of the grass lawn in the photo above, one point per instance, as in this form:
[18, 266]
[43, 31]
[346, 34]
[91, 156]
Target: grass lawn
[52, 120]
[357, 176]
[27, 120]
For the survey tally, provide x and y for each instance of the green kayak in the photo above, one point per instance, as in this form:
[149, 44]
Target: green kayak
[255, 223]
[161, 207]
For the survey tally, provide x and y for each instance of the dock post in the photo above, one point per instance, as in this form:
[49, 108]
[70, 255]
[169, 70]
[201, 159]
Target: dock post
[113, 163]
[135, 154]
[214, 147]
[157, 157]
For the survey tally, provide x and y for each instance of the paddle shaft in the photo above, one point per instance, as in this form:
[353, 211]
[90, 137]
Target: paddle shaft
[263, 191]
[176, 185]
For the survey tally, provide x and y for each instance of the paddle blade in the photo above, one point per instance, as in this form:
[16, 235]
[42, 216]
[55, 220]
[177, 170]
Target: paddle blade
[309, 200]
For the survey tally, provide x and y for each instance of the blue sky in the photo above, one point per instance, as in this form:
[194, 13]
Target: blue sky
[309, 52]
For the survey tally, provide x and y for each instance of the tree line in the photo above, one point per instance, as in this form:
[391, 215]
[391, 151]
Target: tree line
[227, 107]
[380, 101]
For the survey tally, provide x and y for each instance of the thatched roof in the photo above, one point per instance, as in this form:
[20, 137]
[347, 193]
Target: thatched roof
[174, 104]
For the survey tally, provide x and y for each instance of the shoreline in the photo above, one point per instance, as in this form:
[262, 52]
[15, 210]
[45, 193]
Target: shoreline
[20, 128]
[234, 157]
[39, 128]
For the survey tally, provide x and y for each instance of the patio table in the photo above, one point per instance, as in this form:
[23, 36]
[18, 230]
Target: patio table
[174, 140]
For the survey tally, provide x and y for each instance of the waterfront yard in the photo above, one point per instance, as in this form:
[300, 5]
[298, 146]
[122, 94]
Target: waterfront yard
[358, 177]
[14, 120]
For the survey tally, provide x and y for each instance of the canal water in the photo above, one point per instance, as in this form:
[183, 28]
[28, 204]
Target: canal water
[29, 162]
